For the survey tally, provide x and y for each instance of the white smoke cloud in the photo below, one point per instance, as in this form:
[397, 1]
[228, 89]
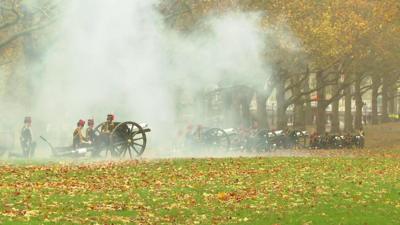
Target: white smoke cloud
[119, 56]
[232, 49]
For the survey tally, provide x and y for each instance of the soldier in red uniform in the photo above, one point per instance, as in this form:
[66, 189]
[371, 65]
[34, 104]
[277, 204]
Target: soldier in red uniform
[90, 130]
[109, 125]
[106, 130]
[79, 140]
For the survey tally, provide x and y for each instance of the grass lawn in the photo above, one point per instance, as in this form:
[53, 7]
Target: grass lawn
[325, 190]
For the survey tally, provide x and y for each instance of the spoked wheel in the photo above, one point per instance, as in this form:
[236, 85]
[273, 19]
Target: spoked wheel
[237, 142]
[128, 137]
[216, 138]
[261, 140]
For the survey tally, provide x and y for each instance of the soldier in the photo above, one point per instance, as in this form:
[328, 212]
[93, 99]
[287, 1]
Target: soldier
[348, 139]
[313, 140]
[326, 141]
[292, 138]
[26, 138]
[109, 125]
[198, 133]
[361, 132]
[79, 140]
[90, 130]
[360, 140]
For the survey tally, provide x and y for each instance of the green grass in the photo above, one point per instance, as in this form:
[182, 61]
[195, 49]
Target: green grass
[205, 191]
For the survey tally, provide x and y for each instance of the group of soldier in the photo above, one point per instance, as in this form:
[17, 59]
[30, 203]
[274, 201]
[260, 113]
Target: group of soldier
[80, 137]
[80, 141]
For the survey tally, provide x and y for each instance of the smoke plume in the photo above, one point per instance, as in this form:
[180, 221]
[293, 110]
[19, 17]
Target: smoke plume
[121, 57]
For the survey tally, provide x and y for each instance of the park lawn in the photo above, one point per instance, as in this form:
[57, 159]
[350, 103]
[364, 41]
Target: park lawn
[324, 190]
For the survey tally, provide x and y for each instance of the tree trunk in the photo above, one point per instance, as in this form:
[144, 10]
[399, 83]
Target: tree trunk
[299, 118]
[348, 118]
[321, 105]
[246, 117]
[359, 103]
[245, 101]
[374, 99]
[237, 109]
[280, 101]
[392, 98]
[335, 122]
[385, 95]
[308, 113]
[262, 110]
[395, 101]
[227, 100]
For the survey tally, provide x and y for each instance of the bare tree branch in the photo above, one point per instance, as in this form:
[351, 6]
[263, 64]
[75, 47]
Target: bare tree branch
[15, 36]
[12, 22]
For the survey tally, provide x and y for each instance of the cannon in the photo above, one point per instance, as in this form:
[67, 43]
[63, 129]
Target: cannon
[208, 138]
[251, 139]
[300, 138]
[126, 138]
[359, 141]
[335, 141]
[262, 140]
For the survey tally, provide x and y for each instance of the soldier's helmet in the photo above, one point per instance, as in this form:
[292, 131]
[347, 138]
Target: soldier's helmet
[81, 123]
[90, 122]
[111, 117]
[28, 119]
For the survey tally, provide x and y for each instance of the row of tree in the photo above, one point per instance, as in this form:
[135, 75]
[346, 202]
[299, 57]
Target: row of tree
[348, 48]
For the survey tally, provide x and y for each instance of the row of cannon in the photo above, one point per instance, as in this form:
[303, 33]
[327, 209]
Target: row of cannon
[129, 138]
[264, 140]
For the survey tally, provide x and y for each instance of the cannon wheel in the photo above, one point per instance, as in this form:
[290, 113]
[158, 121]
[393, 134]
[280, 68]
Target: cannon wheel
[236, 142]
[100, 143]
[217, 138]
[128, 137]
[97, 129]
[261, 141]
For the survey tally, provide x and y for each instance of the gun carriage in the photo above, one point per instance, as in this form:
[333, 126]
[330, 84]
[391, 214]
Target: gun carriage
[127, 138]
[337, 141]
[208, 138]
[258, 140]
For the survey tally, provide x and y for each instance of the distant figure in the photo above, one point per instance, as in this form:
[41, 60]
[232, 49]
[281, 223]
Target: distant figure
[327, 141]
[109, 125]
[79, 140]
[348, 139]
[90, 130]
[198, 132]
[26, 138]
[360, 140]
[361, 132]
[313, 140]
